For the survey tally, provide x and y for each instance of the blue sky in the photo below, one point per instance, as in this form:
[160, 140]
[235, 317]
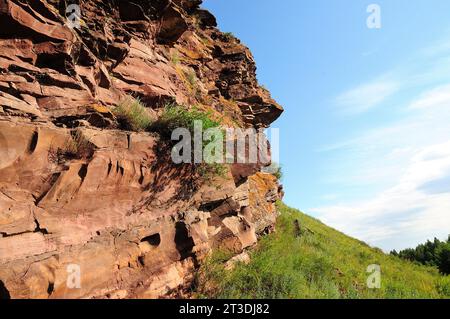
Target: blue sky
[365, 137]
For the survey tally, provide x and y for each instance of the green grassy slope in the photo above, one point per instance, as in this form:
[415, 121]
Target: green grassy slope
[320, 263]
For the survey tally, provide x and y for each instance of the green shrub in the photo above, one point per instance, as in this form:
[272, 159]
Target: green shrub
[274, 169]
[278, 172]
[132, 114]
[176, 116]
[229, 36]
[443, 286]
[209, 171]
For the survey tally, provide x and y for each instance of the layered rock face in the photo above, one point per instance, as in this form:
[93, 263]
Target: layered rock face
[118, 220]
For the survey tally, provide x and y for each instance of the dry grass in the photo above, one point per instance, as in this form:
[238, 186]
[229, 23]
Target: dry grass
[132, 115]
[76, 146]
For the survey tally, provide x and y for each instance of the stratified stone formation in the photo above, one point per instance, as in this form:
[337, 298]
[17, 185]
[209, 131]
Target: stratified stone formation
[120, 213]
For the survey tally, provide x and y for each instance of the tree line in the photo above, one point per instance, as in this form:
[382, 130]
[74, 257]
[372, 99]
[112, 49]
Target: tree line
[432, 253]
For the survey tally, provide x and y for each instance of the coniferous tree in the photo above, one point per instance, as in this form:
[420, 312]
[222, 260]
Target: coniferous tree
[432, 253]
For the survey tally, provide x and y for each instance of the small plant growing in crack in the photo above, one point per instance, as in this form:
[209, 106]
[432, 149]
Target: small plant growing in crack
[175, 58]
[192, 81]
[132, 114]
[229, 36]
[176, 116]
[76, 146]
[275, 169]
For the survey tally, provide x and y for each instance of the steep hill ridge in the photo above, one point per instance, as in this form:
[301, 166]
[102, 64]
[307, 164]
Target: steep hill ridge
[306, 259]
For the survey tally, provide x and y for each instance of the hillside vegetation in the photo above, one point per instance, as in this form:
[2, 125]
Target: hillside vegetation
[432, 253]
[316, 261]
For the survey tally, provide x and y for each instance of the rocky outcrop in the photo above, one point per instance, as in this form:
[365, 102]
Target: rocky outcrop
[116, 213]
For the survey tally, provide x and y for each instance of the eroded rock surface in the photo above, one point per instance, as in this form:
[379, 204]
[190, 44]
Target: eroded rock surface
[118, 213]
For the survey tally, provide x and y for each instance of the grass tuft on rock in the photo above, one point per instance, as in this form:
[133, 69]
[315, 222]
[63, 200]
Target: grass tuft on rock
[76, 146]
[177, 116]
[229, 36]
[274, 169]
[132, 115]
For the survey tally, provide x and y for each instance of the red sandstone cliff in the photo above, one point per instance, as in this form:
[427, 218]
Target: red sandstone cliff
[123, 213]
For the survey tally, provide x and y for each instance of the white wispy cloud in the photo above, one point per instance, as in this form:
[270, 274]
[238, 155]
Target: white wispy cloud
[404, 213]
[408, 159]
[427, 66]
[437, 97]
[365, 97]
[440, 47]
